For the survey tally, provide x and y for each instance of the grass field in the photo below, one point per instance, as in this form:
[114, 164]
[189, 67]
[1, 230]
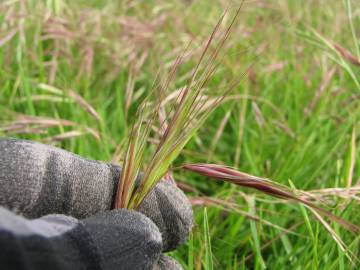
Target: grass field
[73, 73]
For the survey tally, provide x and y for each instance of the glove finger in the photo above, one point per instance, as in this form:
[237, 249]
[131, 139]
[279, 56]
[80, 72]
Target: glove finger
[118, 239]
[167, 206]
[125, 239]
[167, 263]
[38, 179]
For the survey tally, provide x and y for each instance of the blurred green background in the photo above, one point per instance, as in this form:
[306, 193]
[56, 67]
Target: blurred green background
[72, 74]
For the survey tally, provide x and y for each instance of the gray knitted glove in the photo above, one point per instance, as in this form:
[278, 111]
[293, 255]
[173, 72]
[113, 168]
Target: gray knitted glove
[39, 181]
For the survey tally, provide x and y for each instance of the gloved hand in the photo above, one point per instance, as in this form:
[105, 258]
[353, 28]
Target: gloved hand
[66, 221]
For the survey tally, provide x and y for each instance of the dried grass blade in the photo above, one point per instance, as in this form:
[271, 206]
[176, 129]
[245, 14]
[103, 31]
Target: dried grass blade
[85, 105]
[229, 207]
[335, 236]
[27, 120]
[218, 134]
[64, 136]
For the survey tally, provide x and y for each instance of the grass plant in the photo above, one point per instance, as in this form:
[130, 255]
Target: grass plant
[191, 109]
[74, 74]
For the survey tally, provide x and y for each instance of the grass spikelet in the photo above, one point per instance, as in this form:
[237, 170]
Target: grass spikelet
[266, 186]
[187, 117]
[347, 54]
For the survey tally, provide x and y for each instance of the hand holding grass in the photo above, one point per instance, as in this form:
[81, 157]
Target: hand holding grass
[38, 180]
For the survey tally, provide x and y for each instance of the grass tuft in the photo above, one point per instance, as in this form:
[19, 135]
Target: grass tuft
[191, 111]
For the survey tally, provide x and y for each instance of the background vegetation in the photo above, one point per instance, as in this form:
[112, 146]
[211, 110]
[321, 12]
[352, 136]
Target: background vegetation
[72, 73]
